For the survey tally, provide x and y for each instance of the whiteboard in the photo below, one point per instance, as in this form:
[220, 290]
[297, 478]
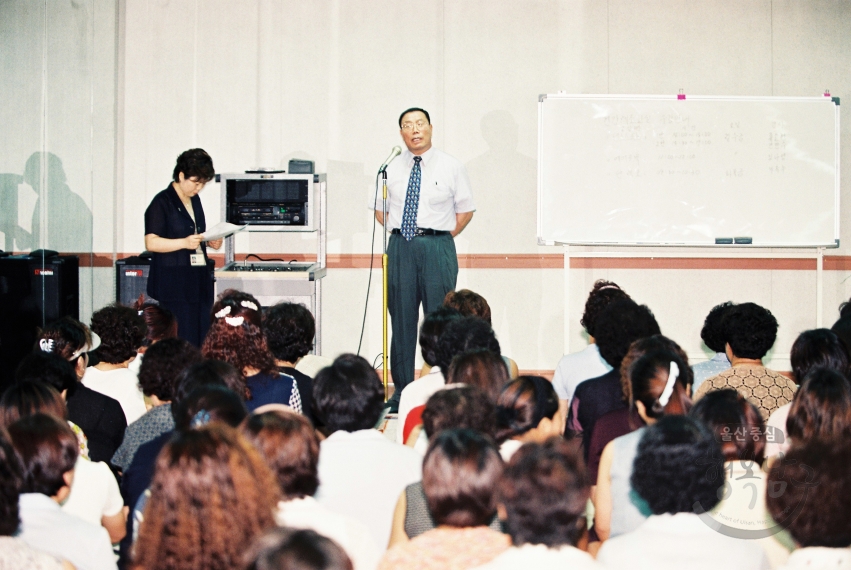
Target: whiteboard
[676, 170]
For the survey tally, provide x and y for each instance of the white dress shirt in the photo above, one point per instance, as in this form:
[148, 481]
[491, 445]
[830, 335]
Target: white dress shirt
[539, 557]
[416, 394]
[362, 474]
[122, 385]
[444, 190]
[576, 368]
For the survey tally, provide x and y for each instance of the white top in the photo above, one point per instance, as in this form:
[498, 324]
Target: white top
[818, 557]
[679, 541]
[311, 364]
[120, 384]
[508, 448]
[136, 364]
[362, 474]
[349, 533]
[444, 190]
[46, 527]
[573, 369]
[15, 554]
[416, 394]
[777, 439]
[539, 557]
[94, 492]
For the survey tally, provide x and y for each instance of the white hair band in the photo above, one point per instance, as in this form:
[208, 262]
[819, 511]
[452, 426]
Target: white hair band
[249, 305]
[223, 312]
[673, 373]
[234, 321]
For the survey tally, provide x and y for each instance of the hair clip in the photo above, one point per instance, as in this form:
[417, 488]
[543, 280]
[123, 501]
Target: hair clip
[234, 321]
[224, 311]
[140, 313]
[46, 344]
[202, 418]
[249, 305]
[673, 373]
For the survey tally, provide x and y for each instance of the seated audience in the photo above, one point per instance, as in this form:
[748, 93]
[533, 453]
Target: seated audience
[814, 348]
[460, 473]
[236, 337]
[815, 504]
[361, 472]
[121, 331]
[821, 409]
[527, 411]
[713, 337]
[575, 368]
[542, 497]
[290, 447]
[679, 465]
[48, 450]
[617, 326]
[160, 324]
[478, 367]
[286, 548]
[211, 496]
[750, 332]
[289, 329]
[163, 362]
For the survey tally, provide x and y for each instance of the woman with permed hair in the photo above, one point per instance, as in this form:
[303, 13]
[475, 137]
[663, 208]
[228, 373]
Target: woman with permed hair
[236, 337]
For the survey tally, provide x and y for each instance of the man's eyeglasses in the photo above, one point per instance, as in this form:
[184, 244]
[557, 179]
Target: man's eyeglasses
[410, 126]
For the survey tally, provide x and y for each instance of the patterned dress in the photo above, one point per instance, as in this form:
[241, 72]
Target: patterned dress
[764, 388]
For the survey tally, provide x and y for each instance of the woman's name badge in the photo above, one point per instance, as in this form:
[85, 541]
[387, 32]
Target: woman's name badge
[197, 260]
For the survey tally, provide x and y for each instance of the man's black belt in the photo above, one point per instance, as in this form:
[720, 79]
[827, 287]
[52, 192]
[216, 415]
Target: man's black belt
[423, 232]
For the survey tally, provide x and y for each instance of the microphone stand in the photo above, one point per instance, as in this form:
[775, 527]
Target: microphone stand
[384, 286]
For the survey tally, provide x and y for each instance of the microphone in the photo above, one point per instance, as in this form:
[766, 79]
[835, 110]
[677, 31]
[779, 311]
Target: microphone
[393, 154]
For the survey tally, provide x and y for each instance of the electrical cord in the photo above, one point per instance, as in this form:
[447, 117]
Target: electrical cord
[371, 257]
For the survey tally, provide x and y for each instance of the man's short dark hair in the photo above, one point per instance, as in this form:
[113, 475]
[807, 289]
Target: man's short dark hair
[818, 348]
[208, 373]
[603, 293]
[289, 330]
[121, 331]
[414, 110]
[48, 449]
[678, 464]
[348, 395]
[749, 329]
[162, 364]
[194, 162]
[544, 490]
[48, 368]
[459, 407]
[712, 333]
[431, 329]
[11, 474]
[618, 325]
[304, 549]
[462, 335]
[815, 502]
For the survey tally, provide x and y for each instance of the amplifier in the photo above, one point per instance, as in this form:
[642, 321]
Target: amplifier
[131, 278]
[269, 201]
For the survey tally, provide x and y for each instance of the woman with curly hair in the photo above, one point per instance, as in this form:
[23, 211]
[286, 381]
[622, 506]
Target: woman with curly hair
[236, 337]
[212, 494]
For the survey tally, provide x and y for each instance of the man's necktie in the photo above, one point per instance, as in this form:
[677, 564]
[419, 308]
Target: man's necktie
[412, 202]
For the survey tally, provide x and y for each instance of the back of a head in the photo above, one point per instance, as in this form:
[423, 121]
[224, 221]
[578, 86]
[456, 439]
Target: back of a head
[726, 412]
[207, 404]
[11, 475]
[296, 549]
[481, 368]
[712, 333]
[644, 346]
[462, 335]
[544, 489]
[459, 407]
[821, 408]
[432, 329]
[208, 373]
[47, 368]
[678, 464]
[660, 381]
[160, 323]
[68, 335]
[522, 404]
[290, 447]
[814, 504]
[348, 395]
[618, 325]
[469, 304]
[30, 398]
[236, 334]
[48, 450]
[460, 472]
[818, 348]
[603, 293]
[842, 329]
[121, 331]
[750, 330]
[289, 330]
[163, 363]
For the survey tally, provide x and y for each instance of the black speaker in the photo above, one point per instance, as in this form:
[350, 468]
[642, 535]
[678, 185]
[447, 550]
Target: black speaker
[131, 278]
[34, 291]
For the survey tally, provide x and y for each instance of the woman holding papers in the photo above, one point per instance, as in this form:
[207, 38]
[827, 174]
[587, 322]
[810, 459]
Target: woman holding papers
[180, 277]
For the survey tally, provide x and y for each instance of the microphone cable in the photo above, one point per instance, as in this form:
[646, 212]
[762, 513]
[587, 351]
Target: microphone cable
[371, 258]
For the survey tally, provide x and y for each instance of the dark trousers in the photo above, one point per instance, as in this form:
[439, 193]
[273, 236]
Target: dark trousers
[422, 270]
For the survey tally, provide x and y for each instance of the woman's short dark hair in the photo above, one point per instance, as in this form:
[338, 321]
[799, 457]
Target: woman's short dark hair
[842, 329]
[194, 162]
[523, 403]
[461, 335]
[726, 412]
[481, 368]
[414, 110]
[160, 323]
[68, 335]
[162, 364]
[749, 329]
[647, 345]
[207, 404]
[295, 549]
[649, 377]
[544, 489]
[289, 330]
[821, 408]
[814, 501]
[818, 348]
[29, 398]
[48, 449]
[431, 329]
[290, 447]
[618, 325]
[11, 474]
[208, 373]
[458, 407]
[678, 464]
[49, 368]
[460, 473]
[348, 395]
[712, 333]
[121, 331]
[469, 304]
[603, 293]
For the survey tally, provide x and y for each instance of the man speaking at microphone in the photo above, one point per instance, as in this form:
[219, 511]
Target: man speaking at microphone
[429, 202]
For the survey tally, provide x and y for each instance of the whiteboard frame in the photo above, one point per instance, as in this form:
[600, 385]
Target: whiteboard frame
[826, 98]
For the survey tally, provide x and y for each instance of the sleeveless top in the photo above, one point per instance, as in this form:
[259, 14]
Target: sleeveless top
[417, 516]
[629, 510]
